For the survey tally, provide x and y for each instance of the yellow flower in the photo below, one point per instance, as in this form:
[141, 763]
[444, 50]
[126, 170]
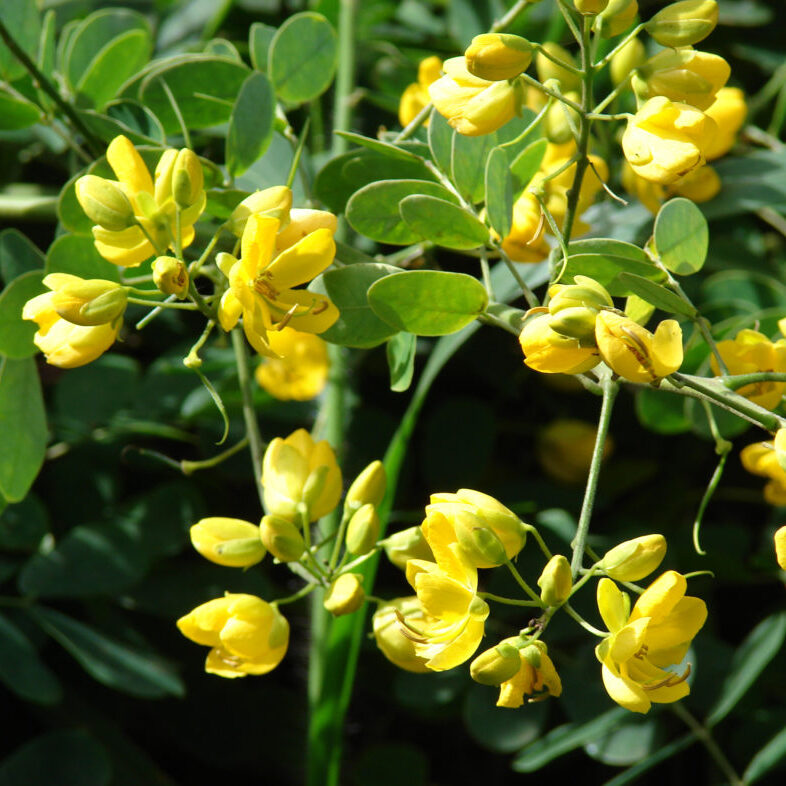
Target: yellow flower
[415, 97]
[760, 458]
[296, 472]
[153, 204]
[728, 112]
[749, 352]
[473, 106]
[226, 541]
[63, 342]
[246, 634]
[685, 22]
[666, 140]
[550, 352]
[780, 547]
[447, 592]
[700, 185]
[642, 643]
[536, 678]
[634, 559]
[397, 647]
[565, 447]
[302, 222]
[274, 202]
[300, 371]
[345, 595]
[525, 241]
[261, 285]
[633, 352]
[497, 56]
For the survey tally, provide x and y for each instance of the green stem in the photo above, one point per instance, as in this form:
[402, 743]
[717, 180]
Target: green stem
[610, 389]
[510, 601]
[539, 540]
[549, 92]
[415, 123]
[737, 381]
[612, 95]
[345, 76]
[607, 59]
[523, 584]
[710, 490]
[301, 593]
[155, 304]
[510, 17]
[189, 467]
[584, 624]
[571, 22]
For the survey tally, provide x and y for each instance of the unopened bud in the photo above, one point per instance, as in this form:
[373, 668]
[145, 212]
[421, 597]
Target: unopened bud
[556, 581]
[406, 545]
[315, 485]
[548, 69]
[616, 18]
[533, 653]
[590, 6]
[88, 302]
[780, 547]
[281, 538]
[631, 56]
[274, 202]
[497, 56]
[683, 23]
[496, 665]
[368, 487]
[170, 276]
[586, 292]
[231, 542]
[578, 322]
[634, 559]
[558, 119]
[105, 203]
[478, 541]
[188, 180]
[345, 595]
[363, 530]
[163, 175]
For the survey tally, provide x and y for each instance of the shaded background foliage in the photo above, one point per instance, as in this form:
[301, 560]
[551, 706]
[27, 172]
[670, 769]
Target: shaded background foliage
[96, 564]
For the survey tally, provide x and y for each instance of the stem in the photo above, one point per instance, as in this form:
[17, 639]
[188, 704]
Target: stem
[509, 601]
[523, 584]
[155, 304]
[737, 381]
[301, 593]
[249, 415]
[710, 490]
[610, 389]
[607, 59]
[415, 123]
[189, 467]
[612, 95]
[584, 624]
[549, 92]
[345, 77]
[539, 540]
[509, 17]
[568, 16]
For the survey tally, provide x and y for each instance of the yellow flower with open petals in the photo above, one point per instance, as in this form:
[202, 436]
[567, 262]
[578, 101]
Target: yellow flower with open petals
[301, 370]
[643, 642]
[415, 97]
[761, 458]
[447, 592]
[261, 285]
[550, 352]
[536, 678]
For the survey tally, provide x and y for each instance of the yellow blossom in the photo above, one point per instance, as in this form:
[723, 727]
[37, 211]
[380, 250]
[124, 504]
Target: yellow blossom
[526, 242]
[300, 371]
[749, 352]
[345, 595]
[643, 642]
[760, 458]
[536, 678]
[633, 352]
[226, 541]
[498, 664]
[497, 56]
[550, 352]
[170, 275]
[728, 111]
[616, 18]
[246, 634]
[302, 222]
[699, 185]
[556, 581]
[634, 559]
[261, 285]
[397, 647]
[415, 97]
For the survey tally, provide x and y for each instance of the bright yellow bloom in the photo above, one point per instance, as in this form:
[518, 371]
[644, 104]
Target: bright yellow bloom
[226, 541]
[415, 97]
[642, 643]
[153, 204]
[274, 202]
[368, 488]
[683, 23]
[552, 353]
[300, 371]
[498, 664]
[574, 307]
[281, 538]
[86, 302]
[699, 185]
[345, 595]
[633, 352]
[473, 106]
[497, 56]
[296, 472]
[728, 112]
[363, 530]
[556, 581]
[302, 222]
[634, 559]
[760, 458]
[749, 352]
[246, 634]
[170, 275]
[397, 647]
[447, 592]
[666, 140]
[564, 449]
[780, 547]
[261, 285]
[536, 678]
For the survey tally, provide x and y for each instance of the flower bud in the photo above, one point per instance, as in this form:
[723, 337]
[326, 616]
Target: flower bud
[497, 56]
[345, 594]
[556, 581]
[368, 487]
[616, 18]
[188, 179]
[231, 542]
[406, 545]
[550, 352]
[558, 119]
[479, 543]
[396, 647]
[496, 665]
[683, 23]
[105, 203]
[275, 202]
[577, 322]
[631, 56]
[548, 69]
[634, 559]
[533, 653]
[170, 276]
[86, 302]
[780, 547]
[574, 306]
[590, 6]
[363, 530]
[281, 538]
[314, 486]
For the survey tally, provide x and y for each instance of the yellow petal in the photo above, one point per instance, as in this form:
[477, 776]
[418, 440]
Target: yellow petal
[460, 649]
[229, 310]
[681, 625]
[624, 691]
[303, 261]
[629, 640]
[257, 243]
[128, 165]
[660, 597]
[613, 604]
[667, 348]
[442, 597]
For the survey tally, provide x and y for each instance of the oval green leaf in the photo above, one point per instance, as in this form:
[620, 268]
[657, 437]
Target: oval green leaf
[17, 255]
[16, 334]
[251, 123]
[657, 295]
[440, 141]
[681, 236]
[77, 255]
[400, 352]
[499, 191]
[443, 223]
[16, 111]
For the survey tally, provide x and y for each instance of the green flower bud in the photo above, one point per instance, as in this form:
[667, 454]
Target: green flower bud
[586, 292]
[345, 595]
[105, 203]
[556, 581]
[617, 17]
[368, 487]
[479, 542]
[406, 545]
[631, 56]
[231, 542]
[498, 56]
[188, 180]
[170, 276]
[496, 665]
[634, 559]
[281, 538]
[558, 119]
[578, 322]
[684, 23]
[548, 69]
[87, 302]
[533, 653]
[363, 530]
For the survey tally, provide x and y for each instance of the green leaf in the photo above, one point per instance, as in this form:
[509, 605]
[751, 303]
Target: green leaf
[759, 648]
[605, 269]
[428, 302]
[566, 738]
[499, 191]
[681, 236]
[440, 141]
[251, 123]
[373, 211]
[17, 255]
[656, 294]
[24, 525]
[70, 212]
[527, 163]
[628, 743]
[23, 426]
[260, 36]
[16, 334]
[357, 325]
[400, 352]
[631, 775]
[383, 148]
[768, 757]
[77, 255]
[111, 662]
[661, 413]
[22, 670]
[468, 164]
[16, 111]
[302, 57]
[60, 758]
[23, 21]
[443, 222]
[128, 117]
